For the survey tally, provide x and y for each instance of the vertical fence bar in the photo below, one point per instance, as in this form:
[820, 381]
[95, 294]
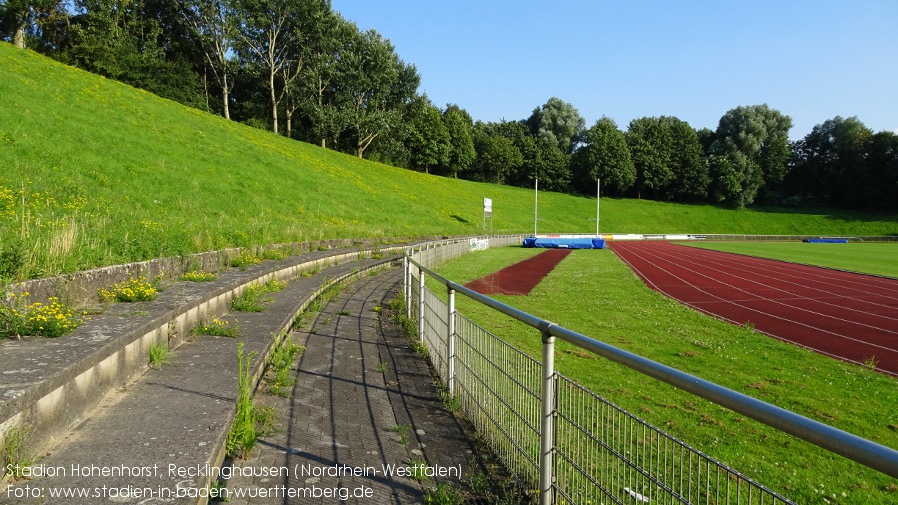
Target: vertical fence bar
[406, 280]
[451, 339]
[408, 299]
[546, 437]
[421, 305]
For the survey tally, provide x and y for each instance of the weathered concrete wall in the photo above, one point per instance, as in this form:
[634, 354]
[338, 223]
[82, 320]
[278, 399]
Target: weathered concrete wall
[80, 289]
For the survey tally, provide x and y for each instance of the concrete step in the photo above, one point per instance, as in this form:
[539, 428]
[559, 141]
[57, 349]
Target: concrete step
[52, 386]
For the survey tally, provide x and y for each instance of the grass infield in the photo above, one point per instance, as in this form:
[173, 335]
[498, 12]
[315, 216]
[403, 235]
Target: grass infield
[594, 293]
[876, 258]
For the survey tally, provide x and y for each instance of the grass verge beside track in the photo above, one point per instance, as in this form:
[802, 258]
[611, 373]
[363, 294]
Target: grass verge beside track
[878, 258]
[594, 293]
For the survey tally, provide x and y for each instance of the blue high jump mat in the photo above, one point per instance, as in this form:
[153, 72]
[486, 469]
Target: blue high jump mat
[826, 240]
[565, 243]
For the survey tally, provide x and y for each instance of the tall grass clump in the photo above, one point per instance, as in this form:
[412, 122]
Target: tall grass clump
[243, 433]
[158, 354]
[15, 455]
[280, 361]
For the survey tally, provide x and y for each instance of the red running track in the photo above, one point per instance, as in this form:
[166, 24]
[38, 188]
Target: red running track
[852, 317]
[522, 277]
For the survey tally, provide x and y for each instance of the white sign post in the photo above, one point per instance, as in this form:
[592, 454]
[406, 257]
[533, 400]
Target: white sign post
[488, 213]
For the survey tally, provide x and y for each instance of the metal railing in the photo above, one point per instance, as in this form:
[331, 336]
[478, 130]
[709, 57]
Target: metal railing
[571, 444]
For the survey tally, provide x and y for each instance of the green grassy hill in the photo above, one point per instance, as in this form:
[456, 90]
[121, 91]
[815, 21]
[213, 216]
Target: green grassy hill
[93, 172]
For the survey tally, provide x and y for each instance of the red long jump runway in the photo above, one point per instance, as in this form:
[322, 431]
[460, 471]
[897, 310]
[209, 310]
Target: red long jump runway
[852, 317]
[520, 278]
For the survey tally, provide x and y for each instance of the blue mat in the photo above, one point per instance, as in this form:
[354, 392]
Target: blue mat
[565, 243]
[826, 240]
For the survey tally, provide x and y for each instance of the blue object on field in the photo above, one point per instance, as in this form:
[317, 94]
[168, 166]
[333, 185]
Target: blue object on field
[826, 240]
[565, 243]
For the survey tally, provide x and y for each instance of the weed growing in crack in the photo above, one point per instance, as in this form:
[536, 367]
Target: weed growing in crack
[402, 431]
[245, 259]
[15, 456]
[242, 435]
[419, 469]
[158, 354]
[450, 401]
[279, 367]
[274, 254]
[37, 319]
[871, 363]
[132, 290]
[251, 299]
[217, 328]
[442, 494]
[199, 276]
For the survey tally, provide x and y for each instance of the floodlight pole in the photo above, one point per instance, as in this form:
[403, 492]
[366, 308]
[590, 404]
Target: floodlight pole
[535, 203]
[598, 199]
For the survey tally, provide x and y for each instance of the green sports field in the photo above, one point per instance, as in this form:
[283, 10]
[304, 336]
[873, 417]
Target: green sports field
[594, 293]
[878, 258]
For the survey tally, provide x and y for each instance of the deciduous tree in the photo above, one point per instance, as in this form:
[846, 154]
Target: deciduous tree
[268, 32]
[214, 29]
[429, 142]
[604, 155]
[377, 85]
[558, 122]
[751, 149]
[461, 144]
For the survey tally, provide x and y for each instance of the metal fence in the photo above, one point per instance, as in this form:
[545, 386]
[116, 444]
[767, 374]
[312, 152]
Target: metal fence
[571, 444]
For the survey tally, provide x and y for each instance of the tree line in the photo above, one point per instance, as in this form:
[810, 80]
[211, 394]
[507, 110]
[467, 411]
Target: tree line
[299, 69]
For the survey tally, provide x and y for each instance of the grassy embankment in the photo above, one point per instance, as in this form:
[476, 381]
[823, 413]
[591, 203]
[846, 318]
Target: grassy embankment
[596, 294]
[93, 172]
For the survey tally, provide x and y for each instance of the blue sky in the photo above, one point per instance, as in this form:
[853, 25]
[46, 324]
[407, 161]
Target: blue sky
[695, 60]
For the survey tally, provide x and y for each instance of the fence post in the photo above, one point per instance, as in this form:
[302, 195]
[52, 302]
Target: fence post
[405, 280]
[547, 421]
[408, 301]
[451, 339]
[421, 305]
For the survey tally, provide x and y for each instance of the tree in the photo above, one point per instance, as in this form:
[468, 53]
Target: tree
[429, 138]
[547, 162]
[558, 122]
[377, 85]
[831, 161]
[687, 161]
[214, 29]
[668, 158]
[882, 162]
[268, 32]
[750, 150]
[497, 156]
[16, 17]
[461, 144]
[736, 177]
[143, 43]
[604, 155]
[650, 143]
[327, 43]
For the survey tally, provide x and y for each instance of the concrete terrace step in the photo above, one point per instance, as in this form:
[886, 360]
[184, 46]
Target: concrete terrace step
[50, 385]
